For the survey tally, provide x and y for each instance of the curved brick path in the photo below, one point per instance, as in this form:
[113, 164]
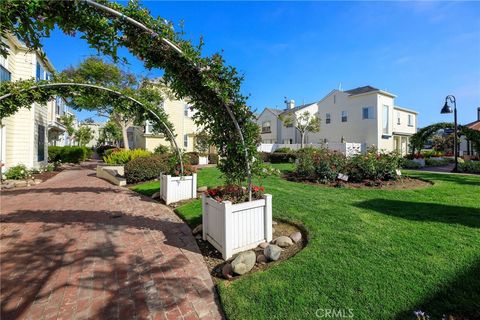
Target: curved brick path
[76, 247]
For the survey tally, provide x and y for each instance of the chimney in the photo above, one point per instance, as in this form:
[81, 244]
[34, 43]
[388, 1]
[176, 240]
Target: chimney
[291, 104]
[478, 113]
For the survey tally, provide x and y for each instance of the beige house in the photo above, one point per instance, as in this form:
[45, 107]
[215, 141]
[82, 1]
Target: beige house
[364, 115]
[25, 136]
[180, 115]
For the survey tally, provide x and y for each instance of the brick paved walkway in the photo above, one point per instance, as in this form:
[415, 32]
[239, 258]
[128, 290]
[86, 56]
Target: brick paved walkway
[76, 247]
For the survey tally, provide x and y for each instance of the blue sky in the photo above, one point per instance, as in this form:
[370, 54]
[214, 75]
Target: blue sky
[420, 51]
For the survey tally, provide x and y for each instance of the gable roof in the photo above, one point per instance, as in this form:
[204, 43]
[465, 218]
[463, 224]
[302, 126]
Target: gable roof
[475, 125]
[297, 108]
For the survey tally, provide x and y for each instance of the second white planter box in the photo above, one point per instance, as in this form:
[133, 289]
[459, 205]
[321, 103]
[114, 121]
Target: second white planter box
[202, 160]
[174, 189]
[232, 228]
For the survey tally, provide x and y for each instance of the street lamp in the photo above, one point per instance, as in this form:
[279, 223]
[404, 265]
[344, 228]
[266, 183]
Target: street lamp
[448, 109]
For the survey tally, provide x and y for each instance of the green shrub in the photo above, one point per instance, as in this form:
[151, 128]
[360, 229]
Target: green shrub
[213, 158]
[409, 164]
[264, 156]
[54, 153]
[112, 150]
[319, 164]
[68, 154]
[101, 150]
[469, 167]
[324, 165]
[373, 166]
[146, 168]
[283, 150]
[432, 162]
[282, 157]
[432, 153]
[18, 172]
[161, 149]
[125, 156]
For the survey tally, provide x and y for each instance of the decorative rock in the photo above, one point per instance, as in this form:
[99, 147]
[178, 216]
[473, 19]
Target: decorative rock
[273, 230]
[263, 245]
[274, 223]
[296, 236]
[244, 262]
[156, 195]
[197, 229]
[198, 237]
[8, 186]
[261, 259]
[283, 241]
[202, 189]
[272, 252]
[38, 181]
[227, 271]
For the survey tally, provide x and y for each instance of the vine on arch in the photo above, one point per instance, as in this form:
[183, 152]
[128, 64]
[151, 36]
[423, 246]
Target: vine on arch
[420, 138]
[212, 86]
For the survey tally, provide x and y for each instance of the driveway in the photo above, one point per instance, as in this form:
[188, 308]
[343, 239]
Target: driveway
[76, 247]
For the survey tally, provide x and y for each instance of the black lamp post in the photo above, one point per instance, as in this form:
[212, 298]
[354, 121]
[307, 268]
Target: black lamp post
[447, 109]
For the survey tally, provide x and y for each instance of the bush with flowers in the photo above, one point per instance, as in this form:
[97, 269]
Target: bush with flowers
[234, 193]
[324, 166]
[18, 172]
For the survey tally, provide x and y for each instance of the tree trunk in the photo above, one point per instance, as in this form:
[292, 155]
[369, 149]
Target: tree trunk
[124, 136]
[302, 141]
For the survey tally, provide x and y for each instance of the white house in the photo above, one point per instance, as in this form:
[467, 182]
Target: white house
[364, 115]
[25, 136]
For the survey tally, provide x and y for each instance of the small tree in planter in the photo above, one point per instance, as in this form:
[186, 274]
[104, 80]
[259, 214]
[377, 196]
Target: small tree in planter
[176, 185]
[202, 145]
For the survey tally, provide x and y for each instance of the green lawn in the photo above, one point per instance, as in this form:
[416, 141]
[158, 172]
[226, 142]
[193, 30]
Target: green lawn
[382, 253]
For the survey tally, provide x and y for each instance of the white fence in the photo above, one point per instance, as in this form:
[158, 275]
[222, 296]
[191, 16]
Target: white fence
[174, 189]
[232, 228]
[347, 148]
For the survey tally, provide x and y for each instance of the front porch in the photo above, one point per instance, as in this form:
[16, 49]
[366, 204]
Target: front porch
[401, 143]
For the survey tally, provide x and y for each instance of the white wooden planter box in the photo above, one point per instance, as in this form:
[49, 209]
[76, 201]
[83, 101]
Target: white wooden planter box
[232, 228]
[420, 161]
[202, 160]
[174, 189]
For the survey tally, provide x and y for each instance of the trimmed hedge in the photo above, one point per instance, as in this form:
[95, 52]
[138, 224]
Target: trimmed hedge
[410, 164]
[125, 156]
[68, 154]
[278, 157]
[146, 168]
[469, 167]
[431, 162]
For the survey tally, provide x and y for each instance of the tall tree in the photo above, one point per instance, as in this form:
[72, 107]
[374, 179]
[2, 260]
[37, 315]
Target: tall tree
[68, 121]
[84, 135]
[96, 71]
[110, 133]
[303, 122]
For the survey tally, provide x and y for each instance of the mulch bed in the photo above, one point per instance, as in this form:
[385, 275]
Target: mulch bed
[401, 183]
[214, 261]
[44, 176]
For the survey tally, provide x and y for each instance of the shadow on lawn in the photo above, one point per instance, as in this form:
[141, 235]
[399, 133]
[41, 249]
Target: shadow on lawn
[471, 180]
[53, 272]
[460, 298]
[421, 211]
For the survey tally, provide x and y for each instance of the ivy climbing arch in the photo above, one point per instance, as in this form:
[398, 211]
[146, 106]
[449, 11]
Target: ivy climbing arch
[420, 138]
[212, 87]
[21, 94]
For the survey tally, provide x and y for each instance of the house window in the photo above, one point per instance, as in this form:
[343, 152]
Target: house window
[367, 113]
[344, 116]
[185, 110]
[161, 105]
[398, 118]
[148, 127]
[328, 118]
[287, 141]
[5, 75]
[410, 120]
[385, 127]
[41, 143]
[185, 140]
[266, 127]
[40, 72]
